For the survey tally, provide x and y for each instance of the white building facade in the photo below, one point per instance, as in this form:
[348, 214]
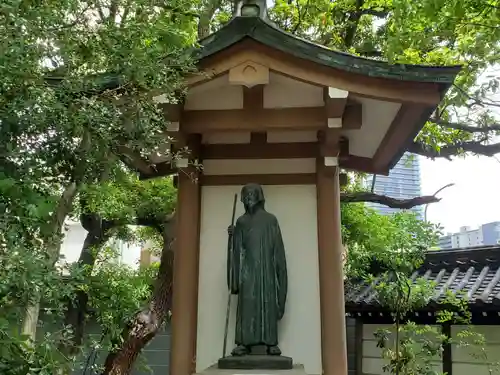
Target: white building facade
[486, 235]
[74, 236]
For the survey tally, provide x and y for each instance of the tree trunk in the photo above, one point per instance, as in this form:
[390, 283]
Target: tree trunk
[149, 320]
[32, 310]
[206, 17]
[31, 319]
[97, 236]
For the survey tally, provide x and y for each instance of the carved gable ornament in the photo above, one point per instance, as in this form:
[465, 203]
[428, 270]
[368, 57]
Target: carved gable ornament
[249, 74]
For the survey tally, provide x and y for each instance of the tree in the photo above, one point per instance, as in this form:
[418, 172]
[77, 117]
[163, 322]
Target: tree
[150, 204]
[107, 209]
[75, 98]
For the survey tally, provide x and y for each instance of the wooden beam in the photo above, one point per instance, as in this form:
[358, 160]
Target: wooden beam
[172, 113]
[261, 120]
[263, 179]
[403, 129]
[329, 140]
[258, 139]
[361, 164]
[257, 150]
[309, 150]
[253, 97]
[353, 116]
[344, 148]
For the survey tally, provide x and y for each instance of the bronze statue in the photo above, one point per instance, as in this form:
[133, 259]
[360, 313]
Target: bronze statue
[257, 274]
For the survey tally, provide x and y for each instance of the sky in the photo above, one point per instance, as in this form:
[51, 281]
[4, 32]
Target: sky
[472, 201]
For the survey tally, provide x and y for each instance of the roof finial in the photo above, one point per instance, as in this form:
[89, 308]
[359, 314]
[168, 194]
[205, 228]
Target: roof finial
[250, 8]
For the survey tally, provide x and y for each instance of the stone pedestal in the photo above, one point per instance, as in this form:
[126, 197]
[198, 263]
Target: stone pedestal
[256, 362]
[214, 370]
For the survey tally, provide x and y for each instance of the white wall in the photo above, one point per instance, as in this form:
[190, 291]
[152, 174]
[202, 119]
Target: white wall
[473, 359]
[300, 331]
[72, 243]
[74, 236]
[373, 362]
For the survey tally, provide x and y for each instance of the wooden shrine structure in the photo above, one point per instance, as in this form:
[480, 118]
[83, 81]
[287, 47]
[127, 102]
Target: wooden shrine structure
[270, 108]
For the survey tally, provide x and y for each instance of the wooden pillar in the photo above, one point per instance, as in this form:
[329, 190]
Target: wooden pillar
[331, 279]
[185, 281]
[447, 356]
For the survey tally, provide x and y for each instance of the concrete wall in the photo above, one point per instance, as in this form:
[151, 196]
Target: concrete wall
[476, 360]
[300, 334]
[372, 362]
[156, 354]
[467, 359]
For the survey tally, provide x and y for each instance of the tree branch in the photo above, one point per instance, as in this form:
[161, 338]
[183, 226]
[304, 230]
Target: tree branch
[133, 160]
[352, 24]
[447, 151]
[376, 13]
[467, 128]
[365, 196]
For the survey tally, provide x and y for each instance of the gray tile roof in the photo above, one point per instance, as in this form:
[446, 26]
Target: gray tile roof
[473, 274]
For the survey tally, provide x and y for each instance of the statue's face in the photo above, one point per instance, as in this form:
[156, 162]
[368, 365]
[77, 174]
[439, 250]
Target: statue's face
[250, 196]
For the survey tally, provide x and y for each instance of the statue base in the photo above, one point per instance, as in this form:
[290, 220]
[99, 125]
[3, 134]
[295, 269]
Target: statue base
[256, 362]
[213, 370]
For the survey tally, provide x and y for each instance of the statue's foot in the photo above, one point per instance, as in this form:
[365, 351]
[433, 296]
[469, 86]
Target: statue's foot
[240, 350]
[273, 350]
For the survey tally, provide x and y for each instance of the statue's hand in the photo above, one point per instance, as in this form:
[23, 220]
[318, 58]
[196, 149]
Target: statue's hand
[230, 230]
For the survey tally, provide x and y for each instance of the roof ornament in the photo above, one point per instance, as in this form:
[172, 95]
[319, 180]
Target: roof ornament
[250, 8]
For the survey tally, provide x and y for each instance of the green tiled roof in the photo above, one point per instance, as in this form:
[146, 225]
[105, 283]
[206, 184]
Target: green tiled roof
[262, 31]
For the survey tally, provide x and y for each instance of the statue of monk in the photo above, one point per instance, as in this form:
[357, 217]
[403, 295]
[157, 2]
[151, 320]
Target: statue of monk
[259, 275]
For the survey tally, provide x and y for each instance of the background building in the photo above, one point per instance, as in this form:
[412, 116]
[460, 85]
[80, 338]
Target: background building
[486, 235]
[403, 182]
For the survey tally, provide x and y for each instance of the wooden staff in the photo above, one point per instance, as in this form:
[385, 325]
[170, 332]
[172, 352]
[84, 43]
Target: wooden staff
[230, 256]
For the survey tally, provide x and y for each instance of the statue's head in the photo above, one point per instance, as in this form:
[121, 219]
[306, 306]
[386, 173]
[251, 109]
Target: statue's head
[252, 196]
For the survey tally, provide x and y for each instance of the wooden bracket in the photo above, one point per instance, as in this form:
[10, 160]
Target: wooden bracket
[335, 102]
